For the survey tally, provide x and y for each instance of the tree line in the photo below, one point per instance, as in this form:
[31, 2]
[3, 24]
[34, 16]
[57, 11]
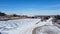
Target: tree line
[3, 14]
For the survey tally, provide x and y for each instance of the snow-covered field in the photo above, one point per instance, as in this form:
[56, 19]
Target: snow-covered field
[21, 26]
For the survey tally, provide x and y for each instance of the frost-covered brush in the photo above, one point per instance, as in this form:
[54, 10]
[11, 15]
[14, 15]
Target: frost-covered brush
[47, 22]
[54, 21]
[56, 24]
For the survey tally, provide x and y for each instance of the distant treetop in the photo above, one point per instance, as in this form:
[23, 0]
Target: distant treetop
[2, 14]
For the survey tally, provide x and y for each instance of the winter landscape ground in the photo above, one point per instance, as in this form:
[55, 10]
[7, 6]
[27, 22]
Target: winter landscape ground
[28, 26]
[20, 26]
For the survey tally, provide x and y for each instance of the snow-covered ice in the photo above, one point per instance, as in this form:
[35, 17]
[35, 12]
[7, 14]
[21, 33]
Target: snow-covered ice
[22, 26]
[17, 26]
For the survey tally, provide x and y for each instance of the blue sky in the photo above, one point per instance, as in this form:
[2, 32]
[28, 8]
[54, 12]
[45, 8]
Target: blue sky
[30, 7]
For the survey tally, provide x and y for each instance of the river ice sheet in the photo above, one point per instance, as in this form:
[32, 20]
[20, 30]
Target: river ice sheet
[20, 26]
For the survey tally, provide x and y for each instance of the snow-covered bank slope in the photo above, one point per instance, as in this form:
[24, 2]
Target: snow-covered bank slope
[46, 28]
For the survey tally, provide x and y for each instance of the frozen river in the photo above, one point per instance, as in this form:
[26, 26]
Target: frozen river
[17, 26]
[22, 26]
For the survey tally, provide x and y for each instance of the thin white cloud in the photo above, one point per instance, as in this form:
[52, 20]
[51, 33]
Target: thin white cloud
[54, 5]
